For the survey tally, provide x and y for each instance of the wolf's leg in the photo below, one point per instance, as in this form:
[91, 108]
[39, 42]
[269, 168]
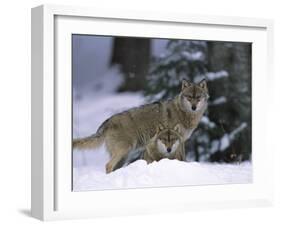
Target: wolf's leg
[115, 163]
[180, 154]
[119, 152]
[146, 157]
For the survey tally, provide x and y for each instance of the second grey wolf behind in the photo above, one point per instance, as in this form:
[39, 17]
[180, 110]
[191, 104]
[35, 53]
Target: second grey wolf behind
[133, 129]
[167, 143]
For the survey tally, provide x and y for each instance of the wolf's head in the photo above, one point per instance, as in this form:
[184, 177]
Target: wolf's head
[193, 96]
[168, 140]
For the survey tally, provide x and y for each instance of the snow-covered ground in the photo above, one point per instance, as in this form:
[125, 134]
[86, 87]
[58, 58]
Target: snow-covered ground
[157, 174]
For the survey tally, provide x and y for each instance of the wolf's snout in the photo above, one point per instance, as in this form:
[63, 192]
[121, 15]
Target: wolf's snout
[169, 150]
[193, 107]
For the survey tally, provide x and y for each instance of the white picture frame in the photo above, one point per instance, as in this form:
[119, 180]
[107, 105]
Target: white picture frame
[52, 197]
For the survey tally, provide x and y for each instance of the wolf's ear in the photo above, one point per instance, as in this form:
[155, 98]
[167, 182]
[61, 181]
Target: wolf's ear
[177, 128]
[160, 127]
[203, 84]
[185, 84]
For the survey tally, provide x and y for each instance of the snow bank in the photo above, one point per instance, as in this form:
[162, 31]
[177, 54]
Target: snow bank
[158, 174]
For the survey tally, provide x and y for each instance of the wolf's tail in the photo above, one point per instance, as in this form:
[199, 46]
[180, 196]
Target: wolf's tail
[91, 142]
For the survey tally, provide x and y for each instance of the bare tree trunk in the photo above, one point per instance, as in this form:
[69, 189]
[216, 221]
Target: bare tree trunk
[133, 56]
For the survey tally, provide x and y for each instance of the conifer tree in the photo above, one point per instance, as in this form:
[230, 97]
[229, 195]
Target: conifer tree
[224, 133]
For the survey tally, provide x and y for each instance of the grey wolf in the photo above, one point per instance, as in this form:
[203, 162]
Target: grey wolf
[133, 129]
[167, 143]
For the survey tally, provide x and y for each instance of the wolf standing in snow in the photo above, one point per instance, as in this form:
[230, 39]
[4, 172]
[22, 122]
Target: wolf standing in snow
[133, 129]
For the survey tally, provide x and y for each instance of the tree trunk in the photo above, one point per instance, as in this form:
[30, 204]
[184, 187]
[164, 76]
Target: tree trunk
[133, 56]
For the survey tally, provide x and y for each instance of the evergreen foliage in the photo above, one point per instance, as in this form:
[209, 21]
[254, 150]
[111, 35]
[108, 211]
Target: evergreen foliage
[224, 133]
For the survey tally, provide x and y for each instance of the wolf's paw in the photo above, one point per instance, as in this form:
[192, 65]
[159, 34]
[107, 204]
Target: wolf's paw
[108, 168]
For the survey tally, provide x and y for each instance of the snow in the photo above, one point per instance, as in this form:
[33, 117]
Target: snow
[225, 142]
[219, 100]
[237, 130]
[160, 174]
[216, 75]
[184, 55]
[196, 56]
[215, 145]
[206, 121]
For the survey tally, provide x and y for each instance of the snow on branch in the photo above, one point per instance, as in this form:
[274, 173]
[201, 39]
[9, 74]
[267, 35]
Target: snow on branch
[237, 130]
[206, 121]
[226, 140]
[218, 101]
[216, 75]
[193, 56]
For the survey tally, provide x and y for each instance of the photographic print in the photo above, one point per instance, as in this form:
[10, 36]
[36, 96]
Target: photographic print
[150, 112]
